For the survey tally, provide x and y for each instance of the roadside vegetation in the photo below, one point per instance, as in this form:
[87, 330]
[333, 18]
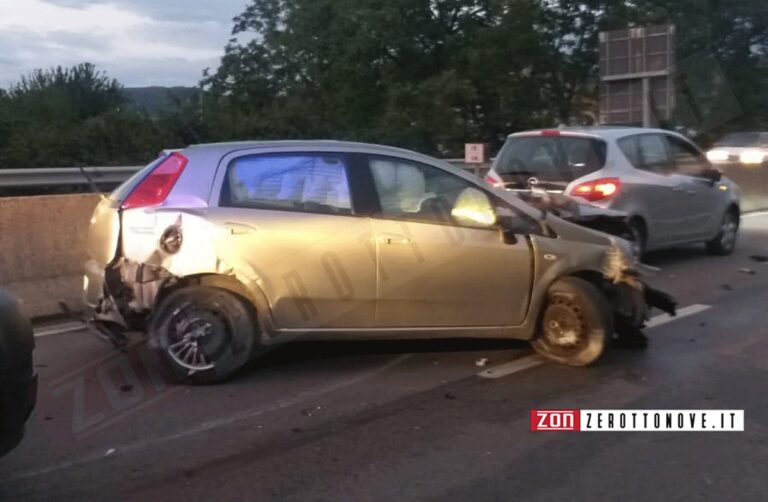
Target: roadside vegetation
[422, 74]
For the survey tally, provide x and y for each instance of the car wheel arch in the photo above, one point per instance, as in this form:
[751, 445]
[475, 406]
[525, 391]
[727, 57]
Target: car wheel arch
[255, 298]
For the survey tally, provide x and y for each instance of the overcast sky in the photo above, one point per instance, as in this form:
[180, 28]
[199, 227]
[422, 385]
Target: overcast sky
[139, 42]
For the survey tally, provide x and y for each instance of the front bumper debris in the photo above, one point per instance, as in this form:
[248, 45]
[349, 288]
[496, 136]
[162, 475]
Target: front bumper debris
[631, 298]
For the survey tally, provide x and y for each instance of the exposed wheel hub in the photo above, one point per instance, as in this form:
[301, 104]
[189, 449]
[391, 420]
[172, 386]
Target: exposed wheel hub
[564, 325]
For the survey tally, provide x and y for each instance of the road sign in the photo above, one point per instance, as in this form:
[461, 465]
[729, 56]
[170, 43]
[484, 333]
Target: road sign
[635, 68]
[474, 153]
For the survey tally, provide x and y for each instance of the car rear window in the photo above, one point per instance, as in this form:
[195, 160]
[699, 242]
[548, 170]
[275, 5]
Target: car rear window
[551, 158]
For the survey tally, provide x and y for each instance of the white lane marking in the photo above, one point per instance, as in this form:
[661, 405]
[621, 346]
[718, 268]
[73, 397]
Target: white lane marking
[59, 329]
[515, 366]
[532, 361]
[690, 310]
[755, 214]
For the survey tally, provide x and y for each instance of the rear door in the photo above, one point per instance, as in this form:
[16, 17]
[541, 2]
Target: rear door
[290, 226]
[442, 262]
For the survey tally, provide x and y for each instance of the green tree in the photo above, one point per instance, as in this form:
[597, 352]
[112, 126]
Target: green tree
[74, 116]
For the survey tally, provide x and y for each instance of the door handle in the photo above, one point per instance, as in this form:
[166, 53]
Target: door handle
[239, 228]
[393, 239]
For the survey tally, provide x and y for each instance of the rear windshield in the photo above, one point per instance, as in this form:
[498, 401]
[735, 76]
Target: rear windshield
[742, 139]
[554, 158]
[124, 190]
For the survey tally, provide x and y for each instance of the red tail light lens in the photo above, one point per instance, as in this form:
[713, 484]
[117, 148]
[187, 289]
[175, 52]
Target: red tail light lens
[154, 189]
[494, 182]
[596, 190]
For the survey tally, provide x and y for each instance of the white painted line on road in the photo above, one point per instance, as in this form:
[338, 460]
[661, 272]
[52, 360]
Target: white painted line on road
[755, 214]
[662, 319]
[59, 329]
[509, 368]
[532, 361]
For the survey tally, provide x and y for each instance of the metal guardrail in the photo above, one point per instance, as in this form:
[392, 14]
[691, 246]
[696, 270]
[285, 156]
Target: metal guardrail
[66, 176]
[63, 176]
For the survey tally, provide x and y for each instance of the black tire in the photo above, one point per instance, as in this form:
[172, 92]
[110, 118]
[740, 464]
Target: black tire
[725, 241]
[202, 334]
[636, 235]
[576, 325]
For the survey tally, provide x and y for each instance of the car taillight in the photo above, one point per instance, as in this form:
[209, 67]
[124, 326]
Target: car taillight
[494, 182]
[154, 189]
[602, 189]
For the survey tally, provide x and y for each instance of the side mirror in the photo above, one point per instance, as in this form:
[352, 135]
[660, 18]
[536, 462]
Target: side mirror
[507, 229]
[713, 175]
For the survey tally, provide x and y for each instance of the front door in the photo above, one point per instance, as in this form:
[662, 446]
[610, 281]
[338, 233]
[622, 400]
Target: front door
[441, 261]
[702, 196]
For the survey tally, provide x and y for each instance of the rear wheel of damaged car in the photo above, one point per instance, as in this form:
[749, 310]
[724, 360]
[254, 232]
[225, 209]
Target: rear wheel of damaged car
[576, 324]
[202, 334]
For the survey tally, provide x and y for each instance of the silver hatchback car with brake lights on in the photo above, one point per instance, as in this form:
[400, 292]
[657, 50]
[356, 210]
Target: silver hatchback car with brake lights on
[218, 252]
[665, 185]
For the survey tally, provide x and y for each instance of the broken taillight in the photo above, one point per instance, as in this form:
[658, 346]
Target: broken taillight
[154, 189]
[596, 190]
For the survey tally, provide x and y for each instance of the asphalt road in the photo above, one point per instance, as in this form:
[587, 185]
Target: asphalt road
[413, 420]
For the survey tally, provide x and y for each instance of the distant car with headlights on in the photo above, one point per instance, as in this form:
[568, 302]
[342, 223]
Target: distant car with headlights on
[18, 382]
[671, 194]
[218, 252]
[747, 148]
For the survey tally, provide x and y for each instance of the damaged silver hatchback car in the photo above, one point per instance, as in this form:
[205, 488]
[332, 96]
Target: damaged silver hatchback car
[221, 251]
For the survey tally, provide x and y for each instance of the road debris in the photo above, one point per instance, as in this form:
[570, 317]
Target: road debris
[481, 362]
[111, 451]
[759, 258]
[311, 412]
[726, 287]
[748, 271]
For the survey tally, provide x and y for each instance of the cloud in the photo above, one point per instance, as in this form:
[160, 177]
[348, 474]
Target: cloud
[138, 42]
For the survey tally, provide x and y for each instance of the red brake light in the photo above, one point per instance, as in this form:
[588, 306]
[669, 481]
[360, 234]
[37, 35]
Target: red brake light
[154, 189]
[550, 132]
[602, 189]
[494, 182]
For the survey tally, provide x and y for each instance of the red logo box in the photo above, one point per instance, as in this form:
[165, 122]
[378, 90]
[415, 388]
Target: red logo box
[555, 420]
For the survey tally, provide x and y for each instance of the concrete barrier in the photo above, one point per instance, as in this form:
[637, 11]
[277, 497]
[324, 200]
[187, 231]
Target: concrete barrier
[42, 249]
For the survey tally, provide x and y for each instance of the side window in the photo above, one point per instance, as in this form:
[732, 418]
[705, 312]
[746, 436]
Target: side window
[314, 183]
[413, 191]
[688, 160]
[653, 154]
[631, 150]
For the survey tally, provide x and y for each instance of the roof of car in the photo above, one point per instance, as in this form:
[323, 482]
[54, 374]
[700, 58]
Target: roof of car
[243, 145]
[604, 131]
